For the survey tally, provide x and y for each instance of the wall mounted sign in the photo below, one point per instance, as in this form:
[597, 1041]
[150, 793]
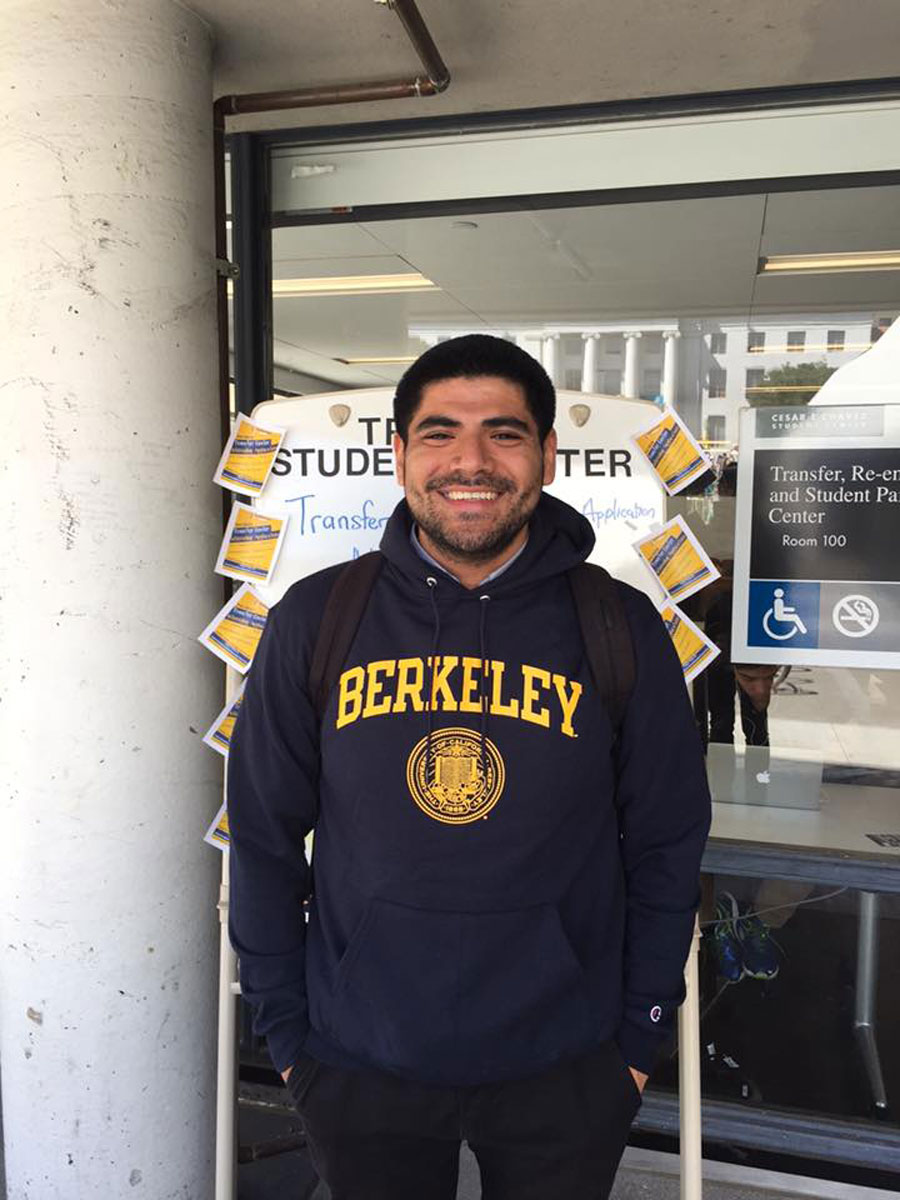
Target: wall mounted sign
[817, 542]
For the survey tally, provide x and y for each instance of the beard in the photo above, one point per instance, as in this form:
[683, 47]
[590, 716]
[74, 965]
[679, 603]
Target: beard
[470, 538]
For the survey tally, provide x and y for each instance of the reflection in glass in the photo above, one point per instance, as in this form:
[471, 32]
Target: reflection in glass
[661, 300]
[796, 984]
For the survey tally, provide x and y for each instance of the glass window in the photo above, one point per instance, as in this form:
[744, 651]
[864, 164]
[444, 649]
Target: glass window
[652, 379]
[879, 326]
[754, 381]
[498, 272]
[783, 959]
[715, 427]
[611, 382]
[716, 382]
[571, 347]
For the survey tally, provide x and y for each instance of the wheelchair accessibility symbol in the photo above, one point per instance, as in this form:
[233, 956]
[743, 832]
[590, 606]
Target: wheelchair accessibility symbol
[784, 615]
[855, 616]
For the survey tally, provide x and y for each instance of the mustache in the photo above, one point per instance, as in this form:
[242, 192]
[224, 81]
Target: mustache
[492, 483]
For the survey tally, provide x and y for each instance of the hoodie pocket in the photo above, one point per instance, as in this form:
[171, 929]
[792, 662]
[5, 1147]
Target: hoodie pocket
[460, 997]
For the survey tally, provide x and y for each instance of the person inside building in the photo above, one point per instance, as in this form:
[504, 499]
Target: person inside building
[507, 839]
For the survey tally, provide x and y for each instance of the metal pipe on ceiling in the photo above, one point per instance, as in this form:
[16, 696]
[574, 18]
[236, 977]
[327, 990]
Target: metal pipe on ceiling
[419, 35]
[339, 93]
[435, 80]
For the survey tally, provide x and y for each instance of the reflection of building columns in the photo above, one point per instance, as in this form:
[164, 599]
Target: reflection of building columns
[550, 356]
[670, 365]
[630, 380]
[589, 367]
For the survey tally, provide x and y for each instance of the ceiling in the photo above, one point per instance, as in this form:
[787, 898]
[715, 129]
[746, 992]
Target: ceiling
[657, 261]
[661, 260]
[511, 54]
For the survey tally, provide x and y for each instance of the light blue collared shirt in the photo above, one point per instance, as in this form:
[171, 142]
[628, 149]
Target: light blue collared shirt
[423, 554]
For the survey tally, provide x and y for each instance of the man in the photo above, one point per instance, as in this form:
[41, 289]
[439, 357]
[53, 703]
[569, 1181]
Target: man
[504, 886]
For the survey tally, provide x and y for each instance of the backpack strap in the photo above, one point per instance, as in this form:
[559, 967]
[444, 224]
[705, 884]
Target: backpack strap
[344, 608]
[607, 637]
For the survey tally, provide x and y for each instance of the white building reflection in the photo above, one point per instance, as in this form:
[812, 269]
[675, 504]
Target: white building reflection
[707, 369]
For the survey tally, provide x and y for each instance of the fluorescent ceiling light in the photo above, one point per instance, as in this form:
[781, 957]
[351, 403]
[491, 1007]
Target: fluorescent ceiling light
[352, 285]
[812, 264]
[349, 285]
[378, 359]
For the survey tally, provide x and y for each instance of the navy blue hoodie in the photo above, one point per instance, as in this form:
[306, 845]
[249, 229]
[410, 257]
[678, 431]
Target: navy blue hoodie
[498, 884]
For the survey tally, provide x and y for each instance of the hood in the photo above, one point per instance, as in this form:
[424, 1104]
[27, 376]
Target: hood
[558, 539]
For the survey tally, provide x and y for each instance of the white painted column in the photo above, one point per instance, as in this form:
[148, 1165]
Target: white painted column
[589, 366]
[111, 434]
[670, 366]
[631, 378]
[550, 356]
[689, 1097]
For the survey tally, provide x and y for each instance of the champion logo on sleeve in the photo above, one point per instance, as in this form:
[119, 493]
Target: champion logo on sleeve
[655, 1013]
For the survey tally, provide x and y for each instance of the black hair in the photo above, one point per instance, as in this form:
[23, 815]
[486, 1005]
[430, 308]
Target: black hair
[469, 357]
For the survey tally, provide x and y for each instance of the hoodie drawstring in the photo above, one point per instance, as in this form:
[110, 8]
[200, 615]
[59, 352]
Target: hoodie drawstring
[483, 602]
[432, 587]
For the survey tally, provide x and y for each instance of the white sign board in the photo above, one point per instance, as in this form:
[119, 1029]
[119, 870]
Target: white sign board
[334, 479]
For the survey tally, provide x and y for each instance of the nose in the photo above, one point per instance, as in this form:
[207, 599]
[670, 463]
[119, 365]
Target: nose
[473, 452]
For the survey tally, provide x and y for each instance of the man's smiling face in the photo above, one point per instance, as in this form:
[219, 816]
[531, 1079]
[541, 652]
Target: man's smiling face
[473, 467]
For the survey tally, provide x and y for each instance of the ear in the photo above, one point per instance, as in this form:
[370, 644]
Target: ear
[399, 458]
[549, 452]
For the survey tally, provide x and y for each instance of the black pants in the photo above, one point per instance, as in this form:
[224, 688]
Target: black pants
[554, 1136]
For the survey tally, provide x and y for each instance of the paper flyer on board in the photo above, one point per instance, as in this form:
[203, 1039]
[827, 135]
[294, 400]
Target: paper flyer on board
[217, 835]
[234, 632]
[672, 451]
[695, 650]
[251, 545]
[248, 457]
[218, 736]
[677, 559]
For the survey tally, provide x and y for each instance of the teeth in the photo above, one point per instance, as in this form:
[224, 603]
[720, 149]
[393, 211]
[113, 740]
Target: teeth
[472, 495]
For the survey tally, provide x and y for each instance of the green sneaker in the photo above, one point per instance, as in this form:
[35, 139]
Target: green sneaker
[757, 946]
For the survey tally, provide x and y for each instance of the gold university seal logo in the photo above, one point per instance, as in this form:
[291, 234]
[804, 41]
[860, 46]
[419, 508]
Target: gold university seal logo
[452, 784]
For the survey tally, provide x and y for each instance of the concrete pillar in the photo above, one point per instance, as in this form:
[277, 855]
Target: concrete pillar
[550, 356]
[589, 366]
[670, 366]
[631, 379]
[111, 435]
